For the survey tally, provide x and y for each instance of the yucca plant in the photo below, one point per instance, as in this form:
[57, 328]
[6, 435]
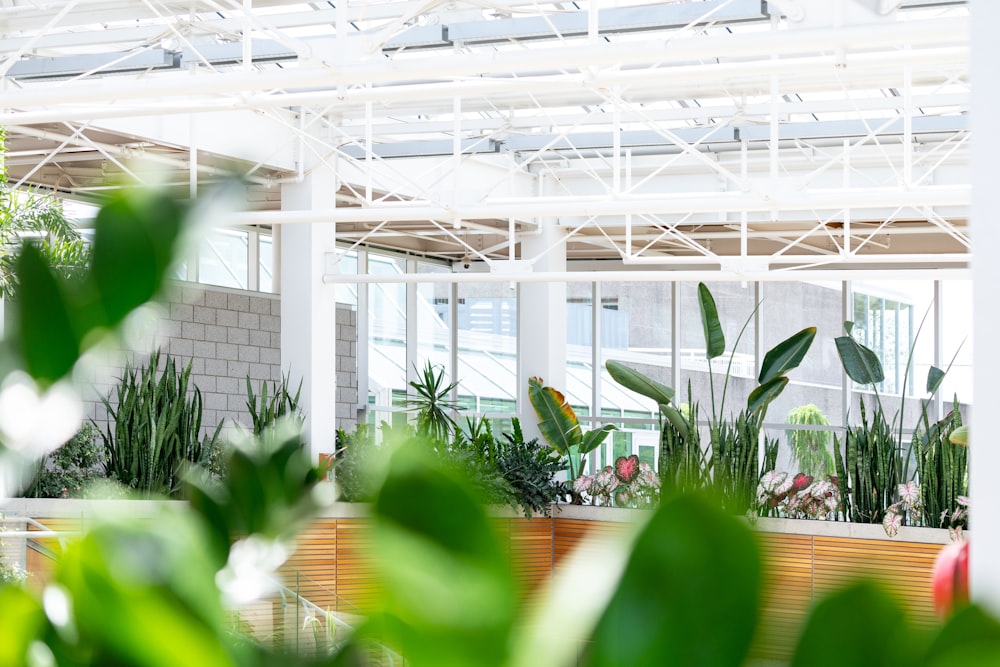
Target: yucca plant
[281, 403]
[432, 405]
[155, 428]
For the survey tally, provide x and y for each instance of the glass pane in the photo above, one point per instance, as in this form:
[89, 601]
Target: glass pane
[386, 331]
[222, 258]
[635, 330]
[487, 343]
[265, 267]
[896, 318]
[957, 344]
[817, 380]
[433, 312]
[735, 305]
[579, 349]
[347, 293]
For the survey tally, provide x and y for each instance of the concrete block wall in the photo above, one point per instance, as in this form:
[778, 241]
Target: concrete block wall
[347, 367]
[227, 335]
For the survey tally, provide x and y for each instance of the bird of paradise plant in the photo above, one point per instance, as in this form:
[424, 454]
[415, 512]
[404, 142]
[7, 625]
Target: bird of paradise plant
[561, 428]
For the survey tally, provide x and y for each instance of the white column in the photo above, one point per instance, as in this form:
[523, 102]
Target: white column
[984, 454]
[308, 308]
[541, 321]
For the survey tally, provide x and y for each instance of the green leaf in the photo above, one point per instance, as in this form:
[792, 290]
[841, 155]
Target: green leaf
[715, 339]
[689, 593]
[638, 382]
[146, 594]
[45, 324]
[594, 437]
[861, 626]
[676, 419]
[559, 424]
[970, 638]
[935, 376]
[21, 620]
[859, 362]
[761, 396]
[134, 237]
[447, 589]
[786, 355]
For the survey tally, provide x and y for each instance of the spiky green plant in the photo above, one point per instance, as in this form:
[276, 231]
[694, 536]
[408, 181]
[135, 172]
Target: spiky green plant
[432, 404]
[683, 464]
[869, 467]
[810, 448]
[279, 404]
[942, 467]
[154, 429]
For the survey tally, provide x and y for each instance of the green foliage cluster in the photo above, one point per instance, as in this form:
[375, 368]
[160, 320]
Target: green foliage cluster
[267, 410]
[29, 213]
[504, 469]
[68, 471]
[357, 461]
[685, 590]
[874, 462]
[732, 465]
[943, 469]
[810, 449]
[155, 428]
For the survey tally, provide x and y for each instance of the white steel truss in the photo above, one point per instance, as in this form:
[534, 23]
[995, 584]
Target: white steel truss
[734, 137]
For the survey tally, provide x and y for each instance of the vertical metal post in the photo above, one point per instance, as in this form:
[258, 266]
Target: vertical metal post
[596, 360]
[411, 327]
[846, 314]
[364, 337]
[938, 409]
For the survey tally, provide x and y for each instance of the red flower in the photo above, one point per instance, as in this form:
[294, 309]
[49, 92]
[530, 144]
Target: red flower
[950, 578]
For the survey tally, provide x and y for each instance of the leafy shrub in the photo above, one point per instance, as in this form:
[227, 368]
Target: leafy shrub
[810, 448]
[355, 459]
[66, 472]
[157, 428]
[530, 469]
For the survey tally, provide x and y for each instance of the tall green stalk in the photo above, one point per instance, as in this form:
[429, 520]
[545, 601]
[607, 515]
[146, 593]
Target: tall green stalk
[266, 411]
[870, 465]
[683, 464]
[942, 466]
[155, 428]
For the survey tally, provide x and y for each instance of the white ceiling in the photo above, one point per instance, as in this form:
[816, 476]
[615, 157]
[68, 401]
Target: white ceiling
[735, 136]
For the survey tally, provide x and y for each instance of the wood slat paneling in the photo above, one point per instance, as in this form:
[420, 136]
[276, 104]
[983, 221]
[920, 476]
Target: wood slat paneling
[334, 570]
[904, 568]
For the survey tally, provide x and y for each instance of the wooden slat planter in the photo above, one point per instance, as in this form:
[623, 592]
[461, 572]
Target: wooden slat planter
[804, 561]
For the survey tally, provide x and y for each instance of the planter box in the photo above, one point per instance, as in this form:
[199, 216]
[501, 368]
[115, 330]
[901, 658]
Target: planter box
[804, 559]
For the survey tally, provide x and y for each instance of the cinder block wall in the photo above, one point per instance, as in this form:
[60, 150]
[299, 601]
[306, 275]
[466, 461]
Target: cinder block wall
[228, 335]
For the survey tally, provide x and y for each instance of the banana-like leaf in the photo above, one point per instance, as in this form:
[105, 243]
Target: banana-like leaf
[765, 393]
[675, 418]
[558, 423]
[639, 383]
[715, 339]
[935, 376]
[786, 355]
[859, 362]
[594, 437]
